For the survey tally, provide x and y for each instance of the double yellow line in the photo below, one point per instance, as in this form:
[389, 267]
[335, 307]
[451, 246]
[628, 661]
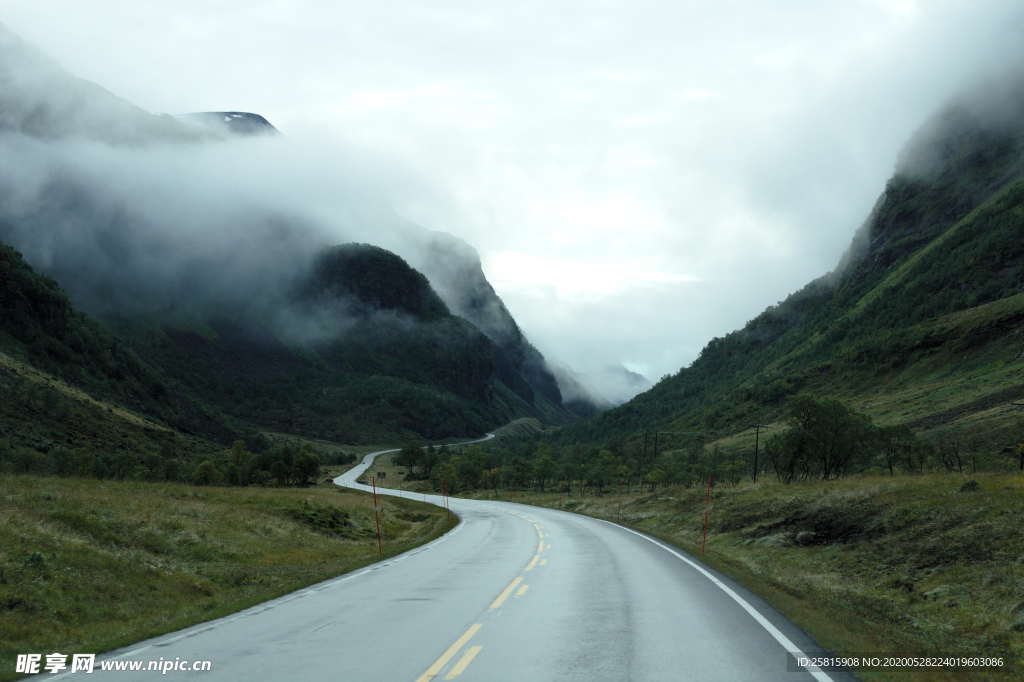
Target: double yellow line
[435, 669]
[540, 548]
[506, 592]
[448, 655]
[471, 653]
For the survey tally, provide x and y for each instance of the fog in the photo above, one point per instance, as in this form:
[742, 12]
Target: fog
[637, 177]
[229, 226]
[135, 213]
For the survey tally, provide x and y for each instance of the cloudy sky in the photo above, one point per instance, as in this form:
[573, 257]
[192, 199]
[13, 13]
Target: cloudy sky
[638, 176]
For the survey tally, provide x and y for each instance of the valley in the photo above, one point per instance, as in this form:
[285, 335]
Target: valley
[200, 374]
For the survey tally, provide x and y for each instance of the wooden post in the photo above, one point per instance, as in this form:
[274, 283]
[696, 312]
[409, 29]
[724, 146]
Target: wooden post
[376, 515]
[707, 511]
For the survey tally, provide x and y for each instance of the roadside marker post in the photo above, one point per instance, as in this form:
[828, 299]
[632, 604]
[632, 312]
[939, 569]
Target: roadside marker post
[376, 515]
[707, 511]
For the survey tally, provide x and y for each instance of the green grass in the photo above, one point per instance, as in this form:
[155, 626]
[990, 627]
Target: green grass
[906, 564]
[394, 476]
[90, 565]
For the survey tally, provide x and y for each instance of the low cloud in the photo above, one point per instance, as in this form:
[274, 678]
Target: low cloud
[709, 159]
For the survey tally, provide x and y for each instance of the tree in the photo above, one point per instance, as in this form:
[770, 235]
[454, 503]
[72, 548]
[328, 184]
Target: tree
[280, 470]
[470, 466]
[446, 477]
[206, 473]
[825, 440]
[410, 456]
[602, 469]
[239, 468]
[545, 467]
[655, 477]
[306, 468]
[894, 441]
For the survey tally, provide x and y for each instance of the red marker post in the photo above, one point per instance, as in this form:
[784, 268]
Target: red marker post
[707, 511]
[376, 515]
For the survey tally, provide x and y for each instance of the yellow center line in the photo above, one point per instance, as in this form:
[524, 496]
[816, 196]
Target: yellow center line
[506, 592]
[533, 562]
[464, 662]
[440, 663]
[522, 590]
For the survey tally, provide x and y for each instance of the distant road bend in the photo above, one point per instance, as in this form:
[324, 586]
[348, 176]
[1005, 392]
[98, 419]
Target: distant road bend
[514, 592]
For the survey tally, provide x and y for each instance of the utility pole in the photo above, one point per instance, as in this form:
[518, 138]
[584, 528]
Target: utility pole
[757, 436]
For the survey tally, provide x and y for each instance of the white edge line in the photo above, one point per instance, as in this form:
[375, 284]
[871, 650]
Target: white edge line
[781, 638]
[178, 635]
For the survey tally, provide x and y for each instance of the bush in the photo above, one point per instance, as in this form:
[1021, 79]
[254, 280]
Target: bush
[207, 473]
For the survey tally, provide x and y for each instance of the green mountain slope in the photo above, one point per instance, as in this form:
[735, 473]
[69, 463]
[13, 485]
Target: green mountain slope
[371, 353]
[41, 329]
[75, 399]
[213, 312]
[456, 272]
[921, 323]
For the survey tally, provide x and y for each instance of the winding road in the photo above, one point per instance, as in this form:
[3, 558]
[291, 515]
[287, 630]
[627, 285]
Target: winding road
[514, 592]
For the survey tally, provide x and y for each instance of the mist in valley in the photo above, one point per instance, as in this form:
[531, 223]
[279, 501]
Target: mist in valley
[632, 192]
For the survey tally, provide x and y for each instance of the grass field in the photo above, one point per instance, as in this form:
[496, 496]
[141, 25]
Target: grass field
[87, 566]
[922, 565]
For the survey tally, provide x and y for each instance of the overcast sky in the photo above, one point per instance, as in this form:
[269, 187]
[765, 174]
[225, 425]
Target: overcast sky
[638, 176]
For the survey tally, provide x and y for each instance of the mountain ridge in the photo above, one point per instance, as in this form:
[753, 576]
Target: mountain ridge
[250, 318]
[941, 243]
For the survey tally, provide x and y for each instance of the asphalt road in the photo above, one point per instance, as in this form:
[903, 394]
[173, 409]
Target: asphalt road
[512, 593]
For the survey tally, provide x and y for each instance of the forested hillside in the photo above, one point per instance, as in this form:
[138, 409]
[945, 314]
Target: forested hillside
[139, 283]
[921, 323]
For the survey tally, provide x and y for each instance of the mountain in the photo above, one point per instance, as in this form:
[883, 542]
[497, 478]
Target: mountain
[615, 385]
[68, 383]
[243, 123]
[455, 270]
[239, 313]
[369, 352]
[41, 100]
[920, 324]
